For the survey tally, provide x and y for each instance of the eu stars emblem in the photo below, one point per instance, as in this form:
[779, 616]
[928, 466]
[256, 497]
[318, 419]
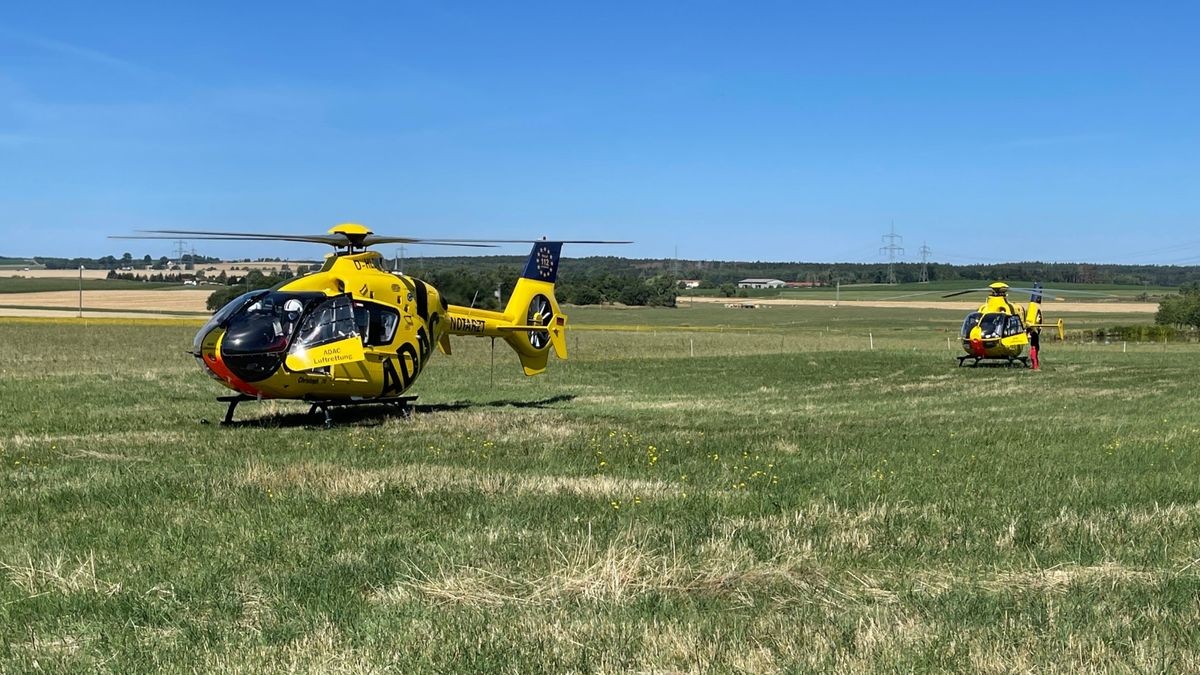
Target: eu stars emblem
[545, 261]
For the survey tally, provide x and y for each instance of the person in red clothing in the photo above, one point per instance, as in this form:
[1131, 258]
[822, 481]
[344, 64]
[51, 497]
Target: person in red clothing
[1034, 343]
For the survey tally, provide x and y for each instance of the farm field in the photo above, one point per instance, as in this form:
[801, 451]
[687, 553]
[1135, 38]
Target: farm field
[695, 490]
[177, 299]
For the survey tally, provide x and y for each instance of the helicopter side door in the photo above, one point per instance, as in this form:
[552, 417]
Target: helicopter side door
[328, 338]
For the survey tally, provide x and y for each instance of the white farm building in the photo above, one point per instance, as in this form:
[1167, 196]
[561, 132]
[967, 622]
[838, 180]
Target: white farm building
[761, 283]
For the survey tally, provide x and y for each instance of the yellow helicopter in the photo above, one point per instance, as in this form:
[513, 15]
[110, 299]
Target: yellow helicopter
[354, 332]
[1001, 330]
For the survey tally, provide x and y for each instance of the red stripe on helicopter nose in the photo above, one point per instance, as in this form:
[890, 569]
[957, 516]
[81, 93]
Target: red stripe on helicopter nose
[218, 367]
[977, 348]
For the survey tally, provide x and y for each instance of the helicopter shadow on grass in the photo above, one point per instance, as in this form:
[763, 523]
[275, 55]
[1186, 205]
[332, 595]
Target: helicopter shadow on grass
[505, 403]
[373, 415]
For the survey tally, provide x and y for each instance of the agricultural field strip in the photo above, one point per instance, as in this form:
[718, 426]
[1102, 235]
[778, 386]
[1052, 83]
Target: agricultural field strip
[165, 300]
[1048, 307]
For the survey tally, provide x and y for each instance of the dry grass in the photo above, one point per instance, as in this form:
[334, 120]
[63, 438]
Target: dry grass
[623, 572]
[331, 481]
[58, 575]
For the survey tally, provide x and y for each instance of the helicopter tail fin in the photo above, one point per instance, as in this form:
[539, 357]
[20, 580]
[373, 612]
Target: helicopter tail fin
[1033, 314]
[531, 322]
[537, 324]
[1035, 318]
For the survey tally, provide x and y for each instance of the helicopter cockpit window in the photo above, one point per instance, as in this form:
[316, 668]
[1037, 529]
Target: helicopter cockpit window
[969, 323]
[329, 321]
[266, 322]
[222, 315]
[1013, 326]
[992, 325]
[376, 323]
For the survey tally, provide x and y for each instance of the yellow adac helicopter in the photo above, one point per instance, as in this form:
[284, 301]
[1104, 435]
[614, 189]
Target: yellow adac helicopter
[354, 332]
[1001, 330]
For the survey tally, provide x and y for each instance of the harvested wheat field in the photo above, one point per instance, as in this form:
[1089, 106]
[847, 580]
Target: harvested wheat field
[53, 274]
[165, 300]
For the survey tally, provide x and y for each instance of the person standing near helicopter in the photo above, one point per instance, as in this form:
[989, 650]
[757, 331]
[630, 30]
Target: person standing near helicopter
[1035, 342]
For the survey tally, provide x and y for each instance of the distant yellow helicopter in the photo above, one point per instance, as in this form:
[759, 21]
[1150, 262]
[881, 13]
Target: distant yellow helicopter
[354, 332]
[1001, 330]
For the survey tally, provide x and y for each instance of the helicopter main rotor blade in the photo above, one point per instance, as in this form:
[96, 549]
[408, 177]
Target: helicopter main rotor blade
[329, 239]
[379, 239]
[969, 290]
[340, 240]
[1060, 292]
[343, 240]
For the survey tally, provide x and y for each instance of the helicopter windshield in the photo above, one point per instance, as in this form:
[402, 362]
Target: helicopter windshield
[970, 322]
[266, 322]
[992, 325]
[222, 315]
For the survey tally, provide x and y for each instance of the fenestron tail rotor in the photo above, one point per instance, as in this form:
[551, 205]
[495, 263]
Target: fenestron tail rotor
[539, 314]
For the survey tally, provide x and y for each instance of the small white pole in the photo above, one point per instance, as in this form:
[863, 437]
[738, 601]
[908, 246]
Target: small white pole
[1124, 347]
[948, 344]
[692, 346]
[871, 336]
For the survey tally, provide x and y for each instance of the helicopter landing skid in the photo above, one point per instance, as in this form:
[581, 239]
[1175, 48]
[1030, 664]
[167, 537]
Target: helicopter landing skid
[1011, 363]
[233, 402]
[402, 403]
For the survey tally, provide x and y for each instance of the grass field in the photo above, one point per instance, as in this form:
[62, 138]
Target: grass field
[785, 499]
[21, 284]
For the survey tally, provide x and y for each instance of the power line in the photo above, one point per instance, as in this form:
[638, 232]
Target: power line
[891, 249]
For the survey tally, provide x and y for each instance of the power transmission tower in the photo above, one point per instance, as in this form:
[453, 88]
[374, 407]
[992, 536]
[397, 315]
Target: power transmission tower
[891, 249]
[180, 250]
[925, 253]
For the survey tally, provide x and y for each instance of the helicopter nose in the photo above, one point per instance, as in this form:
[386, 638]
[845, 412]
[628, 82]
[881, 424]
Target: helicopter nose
[208, 355]
[214, 363]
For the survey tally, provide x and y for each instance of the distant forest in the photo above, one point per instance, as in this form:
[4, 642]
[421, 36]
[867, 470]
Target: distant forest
[714, 273]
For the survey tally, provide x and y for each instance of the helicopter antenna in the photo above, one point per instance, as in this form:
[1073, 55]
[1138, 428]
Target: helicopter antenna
[891, 249]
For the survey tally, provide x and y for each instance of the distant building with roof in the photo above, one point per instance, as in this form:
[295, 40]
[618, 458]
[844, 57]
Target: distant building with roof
[761, 283]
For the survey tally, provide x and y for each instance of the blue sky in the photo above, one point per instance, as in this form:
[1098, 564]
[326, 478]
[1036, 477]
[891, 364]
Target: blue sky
[727, 130]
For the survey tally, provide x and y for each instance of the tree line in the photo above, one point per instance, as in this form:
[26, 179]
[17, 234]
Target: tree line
[1180, 310]
[714, 273]
[597, 270]
[126, 260]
